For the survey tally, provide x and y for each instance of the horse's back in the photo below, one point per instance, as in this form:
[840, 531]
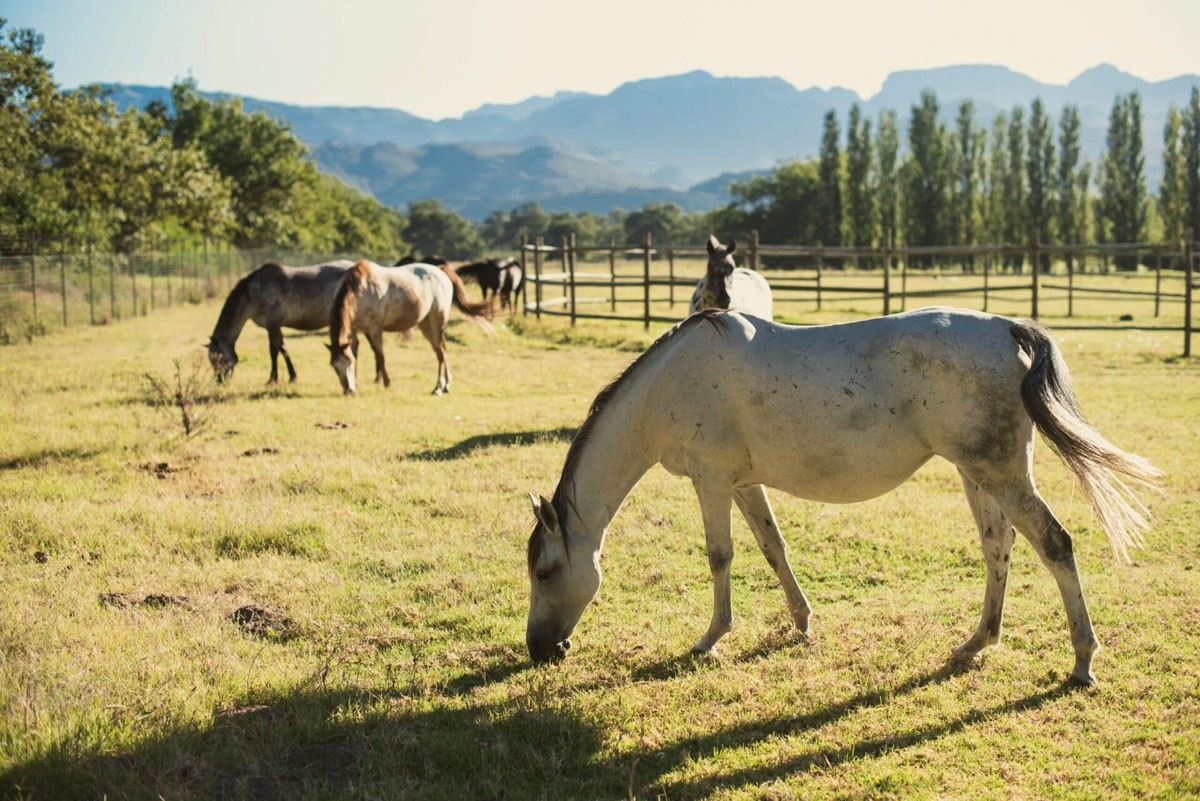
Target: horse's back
[294, 297]
[840, 412]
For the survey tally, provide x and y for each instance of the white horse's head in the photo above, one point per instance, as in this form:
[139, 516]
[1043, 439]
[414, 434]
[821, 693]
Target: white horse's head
[343, 361]
[562, 584]
[222, 358]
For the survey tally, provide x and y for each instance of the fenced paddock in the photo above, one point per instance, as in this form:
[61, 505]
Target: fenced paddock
[1078, 286]
[41, 292]
[322, 598]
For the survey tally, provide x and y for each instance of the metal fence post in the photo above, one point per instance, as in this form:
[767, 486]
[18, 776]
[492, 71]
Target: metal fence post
[62, 277]
[33, 277]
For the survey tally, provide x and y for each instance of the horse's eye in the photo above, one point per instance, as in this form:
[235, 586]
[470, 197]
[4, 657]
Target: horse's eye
[543, 575]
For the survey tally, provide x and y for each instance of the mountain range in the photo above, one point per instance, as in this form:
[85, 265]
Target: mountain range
[678, 139]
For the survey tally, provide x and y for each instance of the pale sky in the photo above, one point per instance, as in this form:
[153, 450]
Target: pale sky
[440, 58]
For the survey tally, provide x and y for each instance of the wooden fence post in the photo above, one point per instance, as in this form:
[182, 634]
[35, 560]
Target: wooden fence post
[1189, 255]
[647, 240]
[569, 246]
[887, 273]
[1035, 268]
[33, 276]
[754, 261]
[671, 277]
[62, 276]
[537, 272]
[524, 272]
[612, 275]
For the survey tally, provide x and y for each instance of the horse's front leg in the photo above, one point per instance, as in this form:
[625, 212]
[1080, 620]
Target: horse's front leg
[996, 536]
[756, 508]
[715, 497]
[275, 343]
[375, 340]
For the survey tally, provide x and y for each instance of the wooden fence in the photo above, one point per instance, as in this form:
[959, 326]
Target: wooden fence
[647, 283]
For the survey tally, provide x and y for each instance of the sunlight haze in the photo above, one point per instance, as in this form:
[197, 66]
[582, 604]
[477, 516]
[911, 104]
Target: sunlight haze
[441, 59]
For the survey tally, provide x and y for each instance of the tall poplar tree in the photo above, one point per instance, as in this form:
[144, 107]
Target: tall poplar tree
[925, 175]
[1171, 190]
[860, 200]
[1070, 203]
[886, 177]
[829, 195]
[1014, 193]
[1039, 173]
[1122, 206]
[970, 143]
[995, 211]
[1191, 165]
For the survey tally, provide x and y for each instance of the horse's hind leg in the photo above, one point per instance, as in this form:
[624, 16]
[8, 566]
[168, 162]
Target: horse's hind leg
[1033, 518]
[435, 331]
[996, 536]
[756, 508]
[279, 348]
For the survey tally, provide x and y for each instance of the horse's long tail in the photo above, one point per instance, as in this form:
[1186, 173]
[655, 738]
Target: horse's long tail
[477, 311]
[1100, 466]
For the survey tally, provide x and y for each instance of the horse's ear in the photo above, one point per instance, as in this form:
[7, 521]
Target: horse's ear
[329, 347]
[543, 510]
[713, 244]
[731, 248]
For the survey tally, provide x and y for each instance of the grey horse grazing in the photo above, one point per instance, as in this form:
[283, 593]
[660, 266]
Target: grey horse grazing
[373, 299]
[839, 414]
[275, 297]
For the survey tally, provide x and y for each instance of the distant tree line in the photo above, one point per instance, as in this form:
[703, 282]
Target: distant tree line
[75, 172]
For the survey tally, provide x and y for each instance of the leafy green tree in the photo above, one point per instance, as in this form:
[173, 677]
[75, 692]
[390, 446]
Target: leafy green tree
[994, 210]
[1039, 172]
[666, 223]
[887, 183]
[860, 199]
[829, 196]
[434, 230]
[779, 206]
[31, 191]
[266, 164]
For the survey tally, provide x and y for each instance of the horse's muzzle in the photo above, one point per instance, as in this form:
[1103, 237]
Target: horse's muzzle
[542, 651]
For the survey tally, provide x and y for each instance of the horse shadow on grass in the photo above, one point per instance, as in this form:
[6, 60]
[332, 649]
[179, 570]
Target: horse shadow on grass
[456, 740]
[468, 446]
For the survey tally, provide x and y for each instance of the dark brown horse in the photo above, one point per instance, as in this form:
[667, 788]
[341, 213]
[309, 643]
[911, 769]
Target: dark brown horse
[275, 297]
[500, 277]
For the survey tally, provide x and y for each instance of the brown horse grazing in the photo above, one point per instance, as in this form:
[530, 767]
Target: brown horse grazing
[499, 277]
[275, 297]
[373, 299]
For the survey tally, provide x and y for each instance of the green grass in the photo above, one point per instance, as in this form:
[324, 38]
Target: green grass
[322, 597]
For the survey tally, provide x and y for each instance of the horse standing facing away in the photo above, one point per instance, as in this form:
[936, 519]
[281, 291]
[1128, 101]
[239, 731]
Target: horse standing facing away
[373, 299]
[275, 297]
[727, 286]
[839, 414]
[495, 277]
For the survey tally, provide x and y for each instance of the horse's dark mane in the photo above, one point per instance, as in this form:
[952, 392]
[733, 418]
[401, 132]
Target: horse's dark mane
[345, 302]
[237, 296]
[714, 317]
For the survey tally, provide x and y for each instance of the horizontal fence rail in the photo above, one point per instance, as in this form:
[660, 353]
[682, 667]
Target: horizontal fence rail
[1139, 286]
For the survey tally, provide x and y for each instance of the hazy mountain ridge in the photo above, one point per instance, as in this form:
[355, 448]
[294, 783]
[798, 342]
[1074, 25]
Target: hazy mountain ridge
[600, 151]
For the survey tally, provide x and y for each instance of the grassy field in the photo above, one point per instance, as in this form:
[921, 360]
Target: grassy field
[321, 597]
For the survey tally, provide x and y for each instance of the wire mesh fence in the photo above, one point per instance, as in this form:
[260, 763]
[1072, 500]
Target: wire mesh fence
[41, 292]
